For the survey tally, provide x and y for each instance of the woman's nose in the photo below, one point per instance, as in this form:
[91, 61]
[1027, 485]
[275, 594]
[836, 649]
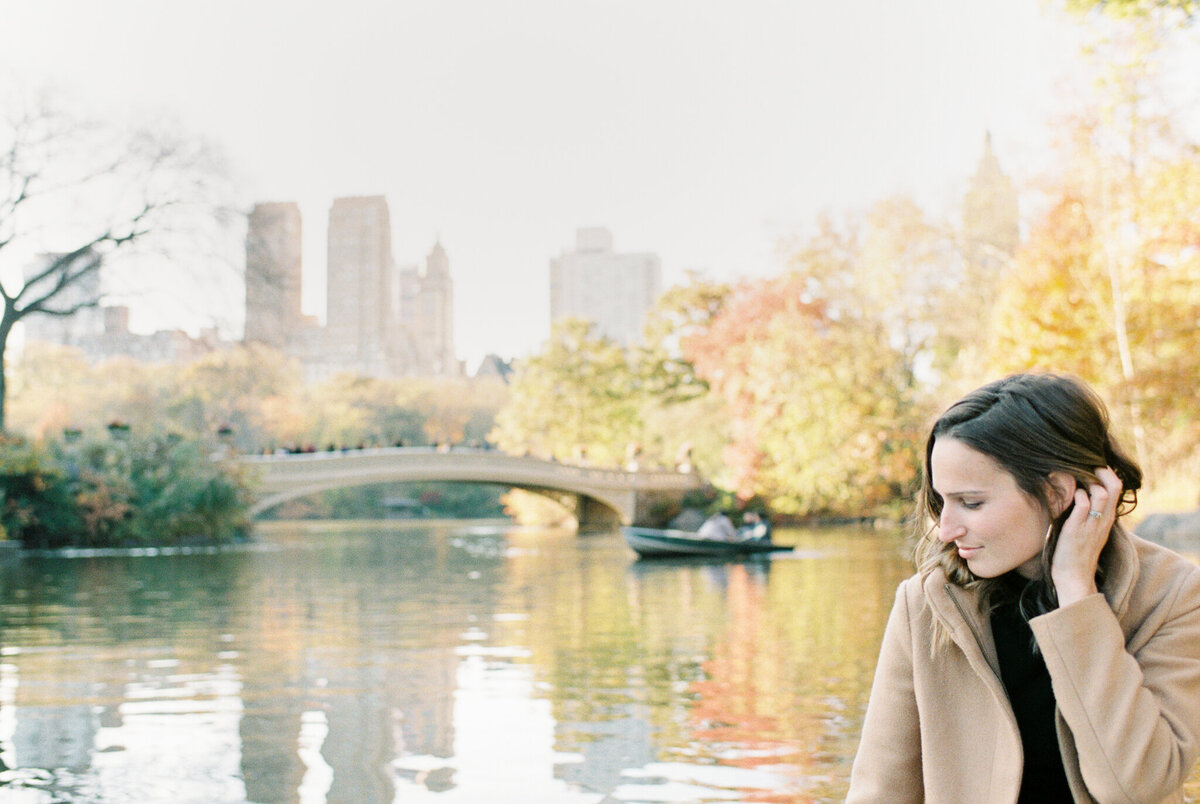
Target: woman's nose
[948, 529]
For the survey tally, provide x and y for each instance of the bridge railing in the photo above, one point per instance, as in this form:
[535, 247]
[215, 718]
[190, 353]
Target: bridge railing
[653, 476]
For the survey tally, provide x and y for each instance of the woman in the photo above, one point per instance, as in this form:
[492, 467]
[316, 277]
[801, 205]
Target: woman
[1040, 653]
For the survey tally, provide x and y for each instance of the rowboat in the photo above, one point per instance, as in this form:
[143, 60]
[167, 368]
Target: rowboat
[658, 543]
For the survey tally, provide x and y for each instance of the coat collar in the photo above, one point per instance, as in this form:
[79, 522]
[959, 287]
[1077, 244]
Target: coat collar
[958, 611]
[1121, 567]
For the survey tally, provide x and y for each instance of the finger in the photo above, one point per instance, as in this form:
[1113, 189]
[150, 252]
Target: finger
[1111, 481]
[1106, 494]
[1077, 518]
[1098, 501]
[1084, 505]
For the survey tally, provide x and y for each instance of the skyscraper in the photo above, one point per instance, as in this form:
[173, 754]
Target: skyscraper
[434, 322]
[989, 240]
[614, 291]
[362, 288]
[991, 225]
[273, 274]
[427, 314]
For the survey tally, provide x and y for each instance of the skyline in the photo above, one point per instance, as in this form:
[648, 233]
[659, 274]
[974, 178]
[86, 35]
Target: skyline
[706, 133]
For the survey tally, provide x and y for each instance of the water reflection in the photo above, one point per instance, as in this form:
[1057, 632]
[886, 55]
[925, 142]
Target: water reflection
[385, 662]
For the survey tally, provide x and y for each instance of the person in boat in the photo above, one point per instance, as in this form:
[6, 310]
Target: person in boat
[755, 527]
[1041, 652]
[718, 527]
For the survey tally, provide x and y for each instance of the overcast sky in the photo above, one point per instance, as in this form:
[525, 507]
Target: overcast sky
[702, 130]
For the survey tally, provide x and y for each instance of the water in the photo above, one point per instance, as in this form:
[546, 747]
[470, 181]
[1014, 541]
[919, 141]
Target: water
[383, 662]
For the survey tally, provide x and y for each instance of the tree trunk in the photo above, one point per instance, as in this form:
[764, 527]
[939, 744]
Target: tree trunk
[6, 325]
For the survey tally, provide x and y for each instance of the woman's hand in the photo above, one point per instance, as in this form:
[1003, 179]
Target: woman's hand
[1083, 536]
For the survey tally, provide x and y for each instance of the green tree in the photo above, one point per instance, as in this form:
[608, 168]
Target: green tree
[180, 493]
[682, 311]
[681, 421]
[576, 399]
[349, 409]
[37, 506]
[119, 488]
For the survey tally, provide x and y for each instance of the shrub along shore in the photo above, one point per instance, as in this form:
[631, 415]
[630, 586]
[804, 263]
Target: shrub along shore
[119, 489]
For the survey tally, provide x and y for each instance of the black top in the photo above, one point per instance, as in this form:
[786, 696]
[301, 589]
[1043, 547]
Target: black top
[1027, 682]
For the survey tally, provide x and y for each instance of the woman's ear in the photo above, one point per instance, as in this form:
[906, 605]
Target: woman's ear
[1061, 487]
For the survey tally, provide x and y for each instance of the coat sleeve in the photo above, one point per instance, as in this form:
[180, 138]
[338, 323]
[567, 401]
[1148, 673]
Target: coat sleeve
[887, 767]
[1134, 717]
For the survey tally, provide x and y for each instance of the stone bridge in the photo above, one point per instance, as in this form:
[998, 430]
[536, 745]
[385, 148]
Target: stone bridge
[598, 498]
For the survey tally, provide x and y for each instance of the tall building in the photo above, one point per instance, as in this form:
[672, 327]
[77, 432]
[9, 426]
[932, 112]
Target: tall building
[101, 332]
[991, 223]
[989, 239]
[362, 287]
[273, 274]
[381, 320]
[431, 318]
[614, 291]
[427, 316]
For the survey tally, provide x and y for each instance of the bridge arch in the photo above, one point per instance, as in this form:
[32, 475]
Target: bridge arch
[605, 496]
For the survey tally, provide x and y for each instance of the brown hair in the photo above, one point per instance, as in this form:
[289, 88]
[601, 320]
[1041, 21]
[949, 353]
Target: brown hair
[1031, 425]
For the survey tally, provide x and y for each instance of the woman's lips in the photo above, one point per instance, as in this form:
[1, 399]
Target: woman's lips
[967, 553]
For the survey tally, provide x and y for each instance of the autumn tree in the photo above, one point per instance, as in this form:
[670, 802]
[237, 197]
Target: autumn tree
[1051, 314]
[456, 410]
[235, 389]
[1105, 287]
[45, 389]
[892, 265]
[75, 195]
[817, 402]
[1125, 321]
[904, 277]
[54, 390]
[1185, 10]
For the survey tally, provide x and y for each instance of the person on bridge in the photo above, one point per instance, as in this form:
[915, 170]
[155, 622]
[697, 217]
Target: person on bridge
[1041, 652]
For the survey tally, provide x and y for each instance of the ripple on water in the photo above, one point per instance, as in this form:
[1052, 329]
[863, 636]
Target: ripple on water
[675, 782]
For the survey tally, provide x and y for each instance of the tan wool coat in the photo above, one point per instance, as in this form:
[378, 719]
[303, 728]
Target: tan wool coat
[1124, 665]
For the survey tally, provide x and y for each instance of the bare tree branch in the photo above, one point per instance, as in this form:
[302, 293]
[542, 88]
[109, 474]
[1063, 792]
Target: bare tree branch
[71, 309]
[83, 194]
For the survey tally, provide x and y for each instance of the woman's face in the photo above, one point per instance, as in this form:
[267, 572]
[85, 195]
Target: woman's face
[994, 524]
